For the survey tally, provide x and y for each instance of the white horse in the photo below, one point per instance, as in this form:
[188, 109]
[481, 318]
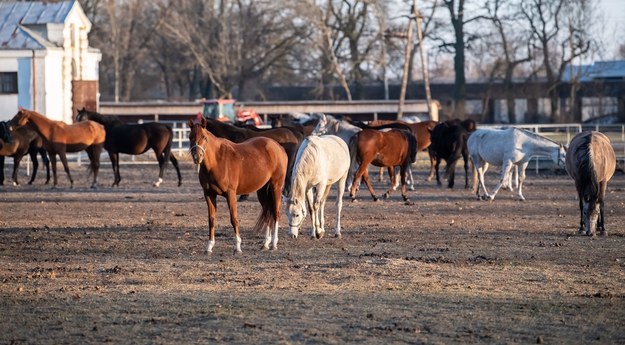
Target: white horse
[321, 161]
[508, 148]
[343, 130]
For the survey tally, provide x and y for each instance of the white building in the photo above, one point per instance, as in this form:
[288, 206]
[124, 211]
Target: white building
[46, 63]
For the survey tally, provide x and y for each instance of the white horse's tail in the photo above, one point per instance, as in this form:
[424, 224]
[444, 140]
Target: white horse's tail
[475, 186]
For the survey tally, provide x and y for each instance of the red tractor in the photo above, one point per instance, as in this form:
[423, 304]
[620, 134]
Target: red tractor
[224, 110]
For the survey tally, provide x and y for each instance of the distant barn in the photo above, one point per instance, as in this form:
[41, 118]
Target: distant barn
[46, 63]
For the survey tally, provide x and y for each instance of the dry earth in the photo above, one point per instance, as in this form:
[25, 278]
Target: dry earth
[128, 265]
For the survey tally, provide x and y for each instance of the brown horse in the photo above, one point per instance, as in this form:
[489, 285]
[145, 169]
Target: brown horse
[590, 161]
[17, 144]
[230, 169]
[421, 131]
[285, 137]
[60, 138]
[134, 139]
[384, 149]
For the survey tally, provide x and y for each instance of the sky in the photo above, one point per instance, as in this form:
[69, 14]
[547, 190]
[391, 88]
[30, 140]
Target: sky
[614, 30]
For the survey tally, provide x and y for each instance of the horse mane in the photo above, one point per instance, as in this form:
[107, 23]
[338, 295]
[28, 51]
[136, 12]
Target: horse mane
[306, 155]
[536, 135]
[105, 120]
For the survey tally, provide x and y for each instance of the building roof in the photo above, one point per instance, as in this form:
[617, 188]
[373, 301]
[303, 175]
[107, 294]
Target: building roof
[15, 17]
[599, 70]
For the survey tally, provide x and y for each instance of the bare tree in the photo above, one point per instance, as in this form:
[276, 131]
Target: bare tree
[561, 38]
[235, 42]
[514, 45]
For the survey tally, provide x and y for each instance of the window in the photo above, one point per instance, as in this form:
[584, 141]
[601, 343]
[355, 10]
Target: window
[8, 82]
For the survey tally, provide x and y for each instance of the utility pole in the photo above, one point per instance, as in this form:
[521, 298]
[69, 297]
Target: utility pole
[424, 66]
[404, 81]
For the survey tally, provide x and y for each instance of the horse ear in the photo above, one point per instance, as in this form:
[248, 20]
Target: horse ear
[190, 123]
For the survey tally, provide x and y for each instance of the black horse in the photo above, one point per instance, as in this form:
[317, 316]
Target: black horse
[18, 143]
[134, 139]
[449, 142]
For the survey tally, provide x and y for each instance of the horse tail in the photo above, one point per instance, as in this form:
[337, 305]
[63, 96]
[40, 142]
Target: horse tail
[268, 216]
[412, 145]
[353, 154]
[475, 185]
[172, 157]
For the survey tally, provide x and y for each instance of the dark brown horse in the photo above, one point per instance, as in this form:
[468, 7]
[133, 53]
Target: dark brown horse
[134, 139]
[590, 161]
[60, 138]
[230, 169]
[384, 149]
[285, 137]
[17, 144]
[449, 143]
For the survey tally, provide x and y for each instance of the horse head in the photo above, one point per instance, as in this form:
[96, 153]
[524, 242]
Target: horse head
[296, 213]
[5, 133]
[322, 126]
[82, 114]
[20, 119]
[197, 138]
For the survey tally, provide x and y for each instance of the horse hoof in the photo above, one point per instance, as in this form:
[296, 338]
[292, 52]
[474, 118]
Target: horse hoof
[602, 233]
[237, 252]
[386, 195]
[337, 235]
[354, 200]
[319, 235]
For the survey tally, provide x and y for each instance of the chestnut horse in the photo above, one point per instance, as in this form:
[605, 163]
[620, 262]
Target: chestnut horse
[17, 144]
[230, 169]
[134, 139]
[383, 149]
[285, 137]
[60, 138]
[591, 161]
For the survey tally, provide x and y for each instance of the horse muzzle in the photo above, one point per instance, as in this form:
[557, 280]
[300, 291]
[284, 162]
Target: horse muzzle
[293, 231]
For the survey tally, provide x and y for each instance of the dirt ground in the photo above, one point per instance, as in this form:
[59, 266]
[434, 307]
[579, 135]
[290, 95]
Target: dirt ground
[128, 265]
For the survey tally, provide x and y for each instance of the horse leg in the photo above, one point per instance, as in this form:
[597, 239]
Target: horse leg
[365, 177]
[211, 203]
[160, 157]
[450, 171]
[521, 167]
[93, 152]
[276, 190]
[1, 170]
[411, 182]
[403, 170]
[436, 166]
[114, 157]
[174, 162]
[63, 158]
[339, 205]
[505, 170]
[263, 199]
[32, 153]
[432, 163]
[16, 164]
[600, 224]
[465, 158]
[53, 163]
[44, 157]
[357, 176]
[231, 198]
[310, 201]
[320, 204]
[391, 173]
[381, 179]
